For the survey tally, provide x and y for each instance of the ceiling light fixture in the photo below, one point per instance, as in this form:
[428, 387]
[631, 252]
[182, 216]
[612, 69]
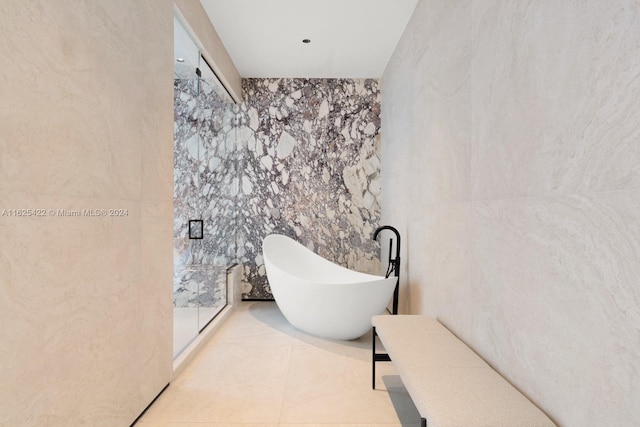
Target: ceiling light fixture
[179, 59]
[306, 41]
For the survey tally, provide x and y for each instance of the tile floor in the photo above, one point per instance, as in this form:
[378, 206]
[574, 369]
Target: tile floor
[257, 370]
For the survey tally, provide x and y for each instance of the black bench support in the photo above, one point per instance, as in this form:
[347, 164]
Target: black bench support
[376, 357]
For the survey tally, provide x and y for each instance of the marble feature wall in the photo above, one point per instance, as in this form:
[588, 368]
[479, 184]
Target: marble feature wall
[85, 124]
[310, 170]
[511, 146]
[205, 187]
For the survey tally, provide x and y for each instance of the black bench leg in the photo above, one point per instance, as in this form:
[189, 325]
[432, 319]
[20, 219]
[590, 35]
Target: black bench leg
[382, 357]
[373, 359]
[423, 422]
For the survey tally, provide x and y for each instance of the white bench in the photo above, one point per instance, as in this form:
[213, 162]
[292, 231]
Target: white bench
[449, 384]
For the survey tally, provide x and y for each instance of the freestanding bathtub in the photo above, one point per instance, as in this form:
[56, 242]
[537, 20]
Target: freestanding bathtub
[320, 297]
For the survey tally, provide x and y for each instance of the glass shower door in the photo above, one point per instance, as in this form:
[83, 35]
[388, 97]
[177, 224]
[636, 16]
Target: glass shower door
[204, 181]
[217, 172]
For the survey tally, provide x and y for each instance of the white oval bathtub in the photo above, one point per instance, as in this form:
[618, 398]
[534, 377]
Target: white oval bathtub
[320, 297]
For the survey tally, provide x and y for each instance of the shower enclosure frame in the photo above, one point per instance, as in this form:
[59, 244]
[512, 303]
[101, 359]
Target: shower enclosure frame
[200, 265]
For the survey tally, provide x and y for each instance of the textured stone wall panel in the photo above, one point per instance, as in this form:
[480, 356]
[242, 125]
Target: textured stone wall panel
[310, 169]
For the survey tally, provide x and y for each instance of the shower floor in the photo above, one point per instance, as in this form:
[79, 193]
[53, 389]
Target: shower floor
[187, 322]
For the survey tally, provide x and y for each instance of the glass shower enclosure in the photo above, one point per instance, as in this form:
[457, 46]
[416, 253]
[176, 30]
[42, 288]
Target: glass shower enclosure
[205, 188]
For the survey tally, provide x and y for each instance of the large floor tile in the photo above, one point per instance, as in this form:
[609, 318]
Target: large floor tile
[254, 322]
[239, 383]
[258, 370]
[327, 387]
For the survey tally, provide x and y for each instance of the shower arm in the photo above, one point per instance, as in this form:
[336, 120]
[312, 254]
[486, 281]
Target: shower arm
[394, 264]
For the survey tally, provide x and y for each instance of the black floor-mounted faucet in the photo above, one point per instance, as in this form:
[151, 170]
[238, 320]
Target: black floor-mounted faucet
[394, 263]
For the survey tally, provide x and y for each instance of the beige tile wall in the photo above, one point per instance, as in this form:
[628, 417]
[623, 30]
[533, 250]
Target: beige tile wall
[510, 163]
[85, 123]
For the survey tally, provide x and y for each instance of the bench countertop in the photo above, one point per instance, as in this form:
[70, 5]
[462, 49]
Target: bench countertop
[449, 383]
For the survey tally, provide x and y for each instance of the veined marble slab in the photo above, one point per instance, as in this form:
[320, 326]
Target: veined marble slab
[310, 170]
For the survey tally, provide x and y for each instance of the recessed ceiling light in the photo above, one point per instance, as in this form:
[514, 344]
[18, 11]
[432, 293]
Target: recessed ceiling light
[180, 59]
[306, 41]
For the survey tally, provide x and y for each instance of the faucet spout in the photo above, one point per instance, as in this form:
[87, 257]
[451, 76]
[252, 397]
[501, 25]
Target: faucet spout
[394, 264]
[393, 229]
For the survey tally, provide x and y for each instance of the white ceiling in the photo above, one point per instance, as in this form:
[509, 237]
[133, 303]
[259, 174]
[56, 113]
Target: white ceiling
[349, 38]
